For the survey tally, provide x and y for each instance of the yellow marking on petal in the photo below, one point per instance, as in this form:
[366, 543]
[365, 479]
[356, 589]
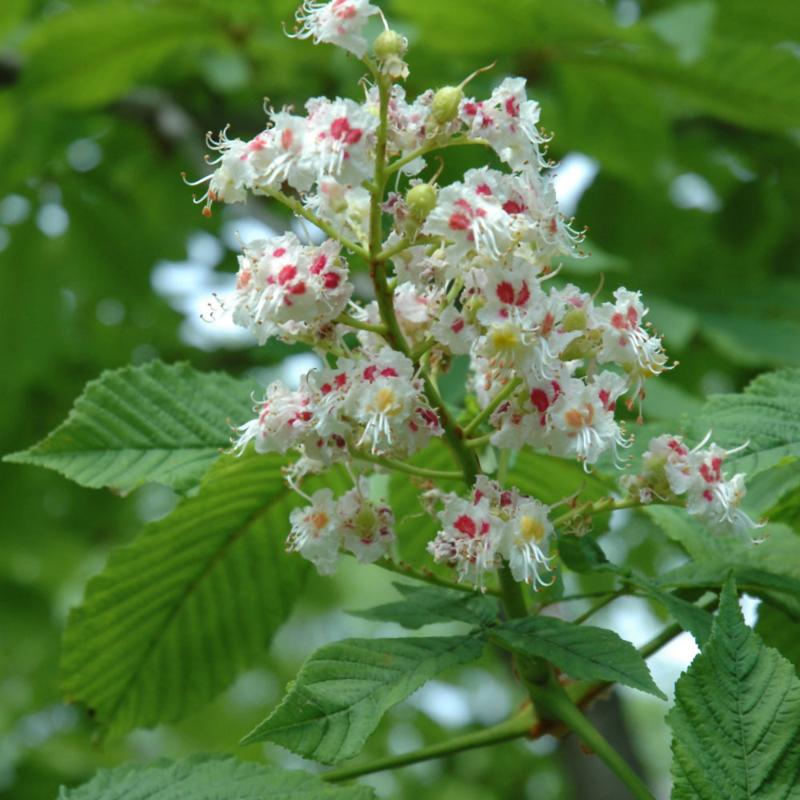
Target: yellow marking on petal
[531, 528]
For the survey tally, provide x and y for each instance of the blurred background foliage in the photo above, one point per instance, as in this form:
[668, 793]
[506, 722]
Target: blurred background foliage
[680, 120]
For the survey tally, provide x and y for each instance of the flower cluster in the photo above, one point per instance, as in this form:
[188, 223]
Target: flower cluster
[670, 470]
[353, 522]
[491, 525]
[467, 270]
[290, 291]
[372, 403]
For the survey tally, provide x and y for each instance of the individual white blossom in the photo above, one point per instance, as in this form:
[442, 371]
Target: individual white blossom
[340, 139]
[624, 339]
[315, 532]
[285, 418]
[526, 541]
[583, 418]
[453, 331]
[470, 217]
[468, 540]
[338, 22]
[367, 528]
[508, 121]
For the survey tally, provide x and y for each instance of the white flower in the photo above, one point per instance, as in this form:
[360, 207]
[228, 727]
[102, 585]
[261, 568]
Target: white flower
[290, 290]
[525, 542]
[367, 528]
[468, 540]
[330, 387]
[281, 155]
[346, 207]
[625, 341]
[529, 199]
[340, 139]
[671, 470]
[525, 419]
[285, 418]
[498, 497]
[382, 397]
[583, 417]
[494, 523]
[470, 216]
[233, 175]
[338, 22]
[508, 121]
[415, 310]
[315, 532]
[408, 123]
[453, 331]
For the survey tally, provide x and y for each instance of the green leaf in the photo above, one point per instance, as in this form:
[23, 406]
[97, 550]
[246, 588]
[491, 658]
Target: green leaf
[426, 605]
[770, 569]
[774, 493]
[344, 689]
[194, 599]
[582, 651]
[746, 83]
[550, 479]
[736, 720]
[204, 778]
[753, 340]
[415, 527]
[599, 109]
[766, 415]
[779, 630]
[691, 618]
[157, 422]
[90, 55]
[583, 554]
[686, 27]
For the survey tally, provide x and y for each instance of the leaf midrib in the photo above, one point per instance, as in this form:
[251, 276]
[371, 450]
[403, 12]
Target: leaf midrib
[181, 601]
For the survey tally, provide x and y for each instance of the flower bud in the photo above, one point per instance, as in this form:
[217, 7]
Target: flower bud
[421, 200]
[574, 320]
[444, 107]
[389, 44]
[582, 347]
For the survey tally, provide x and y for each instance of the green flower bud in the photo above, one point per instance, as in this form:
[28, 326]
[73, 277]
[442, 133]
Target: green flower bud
[444, 107]
[389, 44]
[574, 320]
[578, 348]
[421, 200]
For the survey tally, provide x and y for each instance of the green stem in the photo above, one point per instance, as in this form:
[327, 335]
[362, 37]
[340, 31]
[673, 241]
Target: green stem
[605, 504]
[562, 708]
[402, 568]
[301, 211]
[670, 632]
[453, 434]
[404, 244]
[512, 728]
[377, 267]
[422, 348]
[602, 603]
[352, 322]
[478, 441]
[409, 469]
[428, 148]
[496, 401]
[513, 599]
[580, 596]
